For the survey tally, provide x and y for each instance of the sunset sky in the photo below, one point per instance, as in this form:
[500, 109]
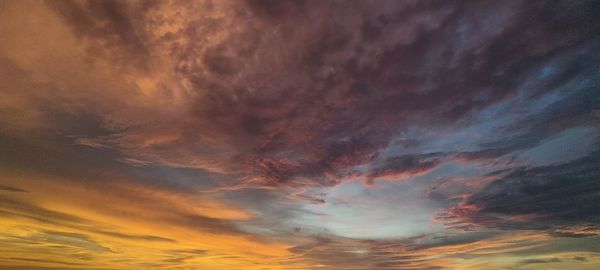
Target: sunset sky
[299, 135]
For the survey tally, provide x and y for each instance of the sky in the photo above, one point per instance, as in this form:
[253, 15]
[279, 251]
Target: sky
[299, 135]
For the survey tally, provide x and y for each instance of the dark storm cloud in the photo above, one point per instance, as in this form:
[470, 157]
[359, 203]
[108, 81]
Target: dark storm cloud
[307, 99]
[543, 198]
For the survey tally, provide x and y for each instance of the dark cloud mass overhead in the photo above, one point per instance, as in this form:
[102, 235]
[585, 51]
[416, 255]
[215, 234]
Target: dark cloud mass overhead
[299, 134]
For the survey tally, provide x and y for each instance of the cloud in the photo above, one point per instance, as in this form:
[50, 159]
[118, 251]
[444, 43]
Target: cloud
[127, 237]
[405, 166]
[200, 133]
[535, 261]
[18, 208]
[108, 28]
[574, 109]
[441, 251]
[11, 189]
[307, 102]
[540, 198]
[72, 239]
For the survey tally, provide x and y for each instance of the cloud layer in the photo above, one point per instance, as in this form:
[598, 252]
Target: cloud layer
[299, 134]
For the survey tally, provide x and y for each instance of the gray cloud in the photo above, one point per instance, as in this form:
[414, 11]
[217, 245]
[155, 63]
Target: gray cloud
[308, 99]
[543, 198]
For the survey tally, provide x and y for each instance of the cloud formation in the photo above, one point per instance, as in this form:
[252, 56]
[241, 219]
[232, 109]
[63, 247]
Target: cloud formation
[309, 134]
[307, 100]
[541, 198]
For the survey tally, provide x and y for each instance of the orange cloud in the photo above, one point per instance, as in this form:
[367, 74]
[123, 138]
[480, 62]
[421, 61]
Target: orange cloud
[120, 226]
